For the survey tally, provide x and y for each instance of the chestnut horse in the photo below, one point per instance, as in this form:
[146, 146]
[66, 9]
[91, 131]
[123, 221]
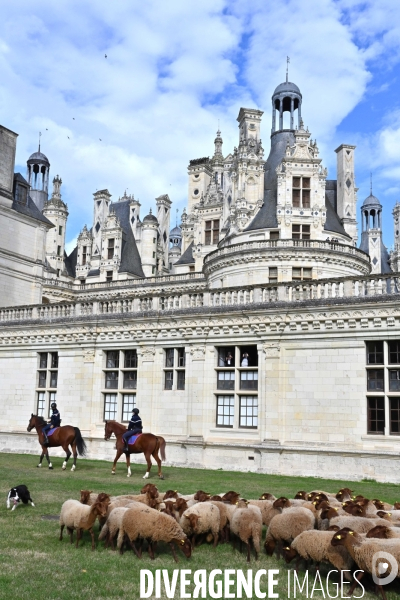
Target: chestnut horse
[64, 436]
[148, 443]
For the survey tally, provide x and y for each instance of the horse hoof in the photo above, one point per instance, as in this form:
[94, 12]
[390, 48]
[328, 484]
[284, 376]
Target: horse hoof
[38, 466]
[73, 468]
[129, 475]
[112, 472]
[63, 467]
[161, 476]
[51, 468]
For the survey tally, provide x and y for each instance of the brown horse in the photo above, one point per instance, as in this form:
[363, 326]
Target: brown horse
[64, 436]
[148, 443]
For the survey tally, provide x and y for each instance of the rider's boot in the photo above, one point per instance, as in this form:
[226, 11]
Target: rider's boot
[126, 448]
[46, 443]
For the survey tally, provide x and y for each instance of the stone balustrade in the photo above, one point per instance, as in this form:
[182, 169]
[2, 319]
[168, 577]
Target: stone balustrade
[158, 300]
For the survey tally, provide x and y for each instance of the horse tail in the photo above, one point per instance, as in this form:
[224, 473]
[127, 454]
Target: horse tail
[80, 442]
[162, 448]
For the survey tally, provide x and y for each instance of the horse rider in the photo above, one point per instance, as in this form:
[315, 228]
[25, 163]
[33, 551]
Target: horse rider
[134, 427]
[55, 421]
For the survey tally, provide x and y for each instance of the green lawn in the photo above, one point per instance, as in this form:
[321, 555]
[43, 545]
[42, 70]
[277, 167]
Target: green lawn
[34, 564]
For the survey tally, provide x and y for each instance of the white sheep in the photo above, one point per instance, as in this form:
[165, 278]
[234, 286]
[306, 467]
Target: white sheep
[144, 523]
[316, 545]
[75, 515]
[359, 524]
[267, 510]
[246, 524]
[287, 526]
[362, 551]
[113, 524]
[202, 518]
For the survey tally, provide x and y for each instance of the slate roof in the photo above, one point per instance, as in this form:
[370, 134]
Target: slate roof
[70, 262]
[130, 257]
[29, 209]
[187, 256]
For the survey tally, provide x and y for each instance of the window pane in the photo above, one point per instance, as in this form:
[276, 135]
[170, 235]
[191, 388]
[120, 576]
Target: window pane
[41, 403]
[112, 359]
[296, 182]
[54, 360]
[248, 380]
[394, 380]
[225, 411]
[42, 379]
[112, 380]
[394, 353]
[130, 359]
[306, 182]
[375, 379]
[43, 360]
[248, 411]
[207, 238]
[306, 198]
[307, 273]
[181, 357]
[169, 357]
[128, 403]
[181, 380]
[130, 380]
[376, 415]
[375, 353]
[274, 235]
[52, 398]
[53, 379]
[110, 407]
[169, 379]
[226, 380]
[296, 198]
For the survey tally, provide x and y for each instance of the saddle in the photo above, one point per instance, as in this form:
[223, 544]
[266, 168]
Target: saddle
[133, 438]
[51, 431]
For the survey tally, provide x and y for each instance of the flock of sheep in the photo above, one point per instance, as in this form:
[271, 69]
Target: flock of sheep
[339, 529]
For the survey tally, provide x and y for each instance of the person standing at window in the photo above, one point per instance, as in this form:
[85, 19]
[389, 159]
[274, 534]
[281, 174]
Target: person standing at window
[229, 360]
[245, 360]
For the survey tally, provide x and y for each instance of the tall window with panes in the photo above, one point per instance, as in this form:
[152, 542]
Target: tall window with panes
[120, 384]
[236, 391]
[301, 232]
[110, 248]
[174, 368]
[383, 387]
[211, 232]
[46, 382]
[301, 192]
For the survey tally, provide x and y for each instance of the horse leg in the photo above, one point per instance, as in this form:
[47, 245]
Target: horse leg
[128, 464]
[158, 461]
[75, 453]
[41, 456]
[117, 456]
[68, 454]
[48, 458]
[148, 460]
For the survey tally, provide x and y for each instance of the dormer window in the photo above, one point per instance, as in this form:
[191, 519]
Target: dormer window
[301, 192]
[21, 193]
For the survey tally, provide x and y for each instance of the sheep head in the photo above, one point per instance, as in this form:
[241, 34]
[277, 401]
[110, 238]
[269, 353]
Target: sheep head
[216, 498]
[384, 515]
[266, 496]
[282, 502]
[193, 520]
[289, 554]
[170, 494]
[201, 496]
[339, 538]
[150, 487]
[301, 495]
[380, 531]
[181, 506]
[100, 508]
[185, 546]
[329, 513]
[270, 546]
[231, 497]
[396, 505]
[242, 503]
[85, 495]
[103, 497]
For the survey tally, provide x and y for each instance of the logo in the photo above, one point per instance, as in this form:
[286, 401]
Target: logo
[384, 568]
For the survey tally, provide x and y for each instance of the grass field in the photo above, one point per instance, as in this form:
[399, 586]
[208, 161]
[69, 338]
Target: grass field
[34, 564]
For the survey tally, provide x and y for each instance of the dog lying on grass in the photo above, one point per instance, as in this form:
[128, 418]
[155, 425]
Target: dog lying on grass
[17, 494]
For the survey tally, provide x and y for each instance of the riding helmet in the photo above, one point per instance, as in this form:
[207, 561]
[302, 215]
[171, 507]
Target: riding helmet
[53, 405]
[135, 410]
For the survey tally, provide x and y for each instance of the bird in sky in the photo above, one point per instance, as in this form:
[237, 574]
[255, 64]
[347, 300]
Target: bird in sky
[100, 139]
[105, 56]
[68, 136]
[46, 129]
[73, 118]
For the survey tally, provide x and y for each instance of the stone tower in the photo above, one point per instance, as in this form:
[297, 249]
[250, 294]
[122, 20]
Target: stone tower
[38, 170]
[371, 236]
[346, 190]
[395, 254]
[57, 212]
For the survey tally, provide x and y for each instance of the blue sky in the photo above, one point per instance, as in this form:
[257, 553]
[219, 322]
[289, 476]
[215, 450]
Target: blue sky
[174, 69]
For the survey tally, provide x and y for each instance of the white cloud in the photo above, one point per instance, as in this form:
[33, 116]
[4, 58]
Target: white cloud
[172, 71]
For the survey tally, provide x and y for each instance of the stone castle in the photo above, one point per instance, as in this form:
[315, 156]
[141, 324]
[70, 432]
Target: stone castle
[254, 336]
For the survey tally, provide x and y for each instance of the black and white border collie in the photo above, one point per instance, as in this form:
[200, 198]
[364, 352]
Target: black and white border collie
[17, 494]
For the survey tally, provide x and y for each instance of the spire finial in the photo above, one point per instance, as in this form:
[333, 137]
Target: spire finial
[287, 68]
[40, 134]
[370, 176]
[176, 221]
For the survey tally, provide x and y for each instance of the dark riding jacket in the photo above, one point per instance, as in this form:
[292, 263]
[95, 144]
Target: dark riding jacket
[55, 419]
[135, 423]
